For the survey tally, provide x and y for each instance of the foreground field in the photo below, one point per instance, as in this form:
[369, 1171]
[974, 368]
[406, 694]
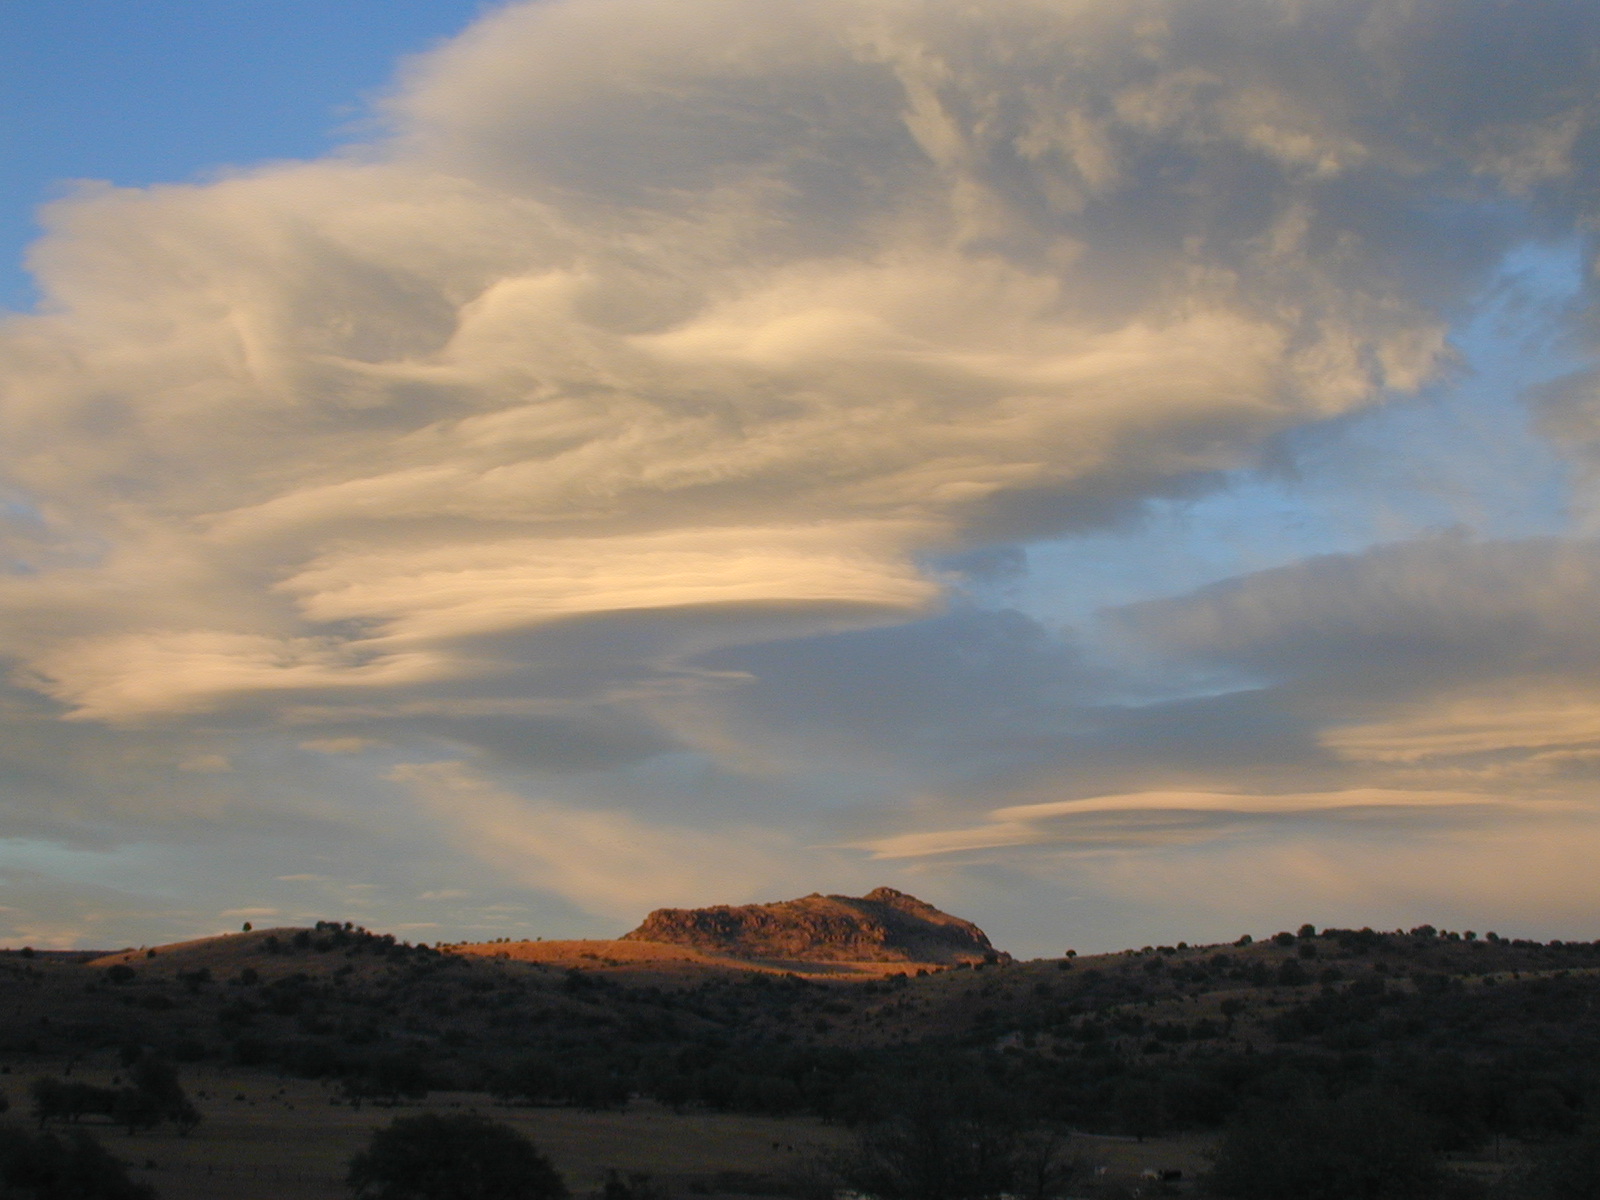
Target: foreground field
[269, 1139]
[265, 1138]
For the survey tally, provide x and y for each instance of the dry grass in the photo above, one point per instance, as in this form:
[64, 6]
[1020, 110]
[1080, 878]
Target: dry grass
[265, 1138]
[641, 961]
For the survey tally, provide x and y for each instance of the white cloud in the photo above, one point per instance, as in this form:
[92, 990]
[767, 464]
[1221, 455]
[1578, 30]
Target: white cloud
[608, 863]
[754, 323]
[635, 398]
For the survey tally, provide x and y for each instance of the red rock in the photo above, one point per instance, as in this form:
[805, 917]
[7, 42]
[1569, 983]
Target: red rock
[885, 925]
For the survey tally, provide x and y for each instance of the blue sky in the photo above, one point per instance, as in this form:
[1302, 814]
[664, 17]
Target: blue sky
[1074, 465]
[136, 92]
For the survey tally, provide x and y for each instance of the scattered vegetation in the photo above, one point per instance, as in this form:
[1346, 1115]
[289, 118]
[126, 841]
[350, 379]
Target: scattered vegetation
[1462, 1042]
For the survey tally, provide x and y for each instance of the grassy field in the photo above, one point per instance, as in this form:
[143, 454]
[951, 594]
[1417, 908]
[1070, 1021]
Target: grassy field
[265, 1138]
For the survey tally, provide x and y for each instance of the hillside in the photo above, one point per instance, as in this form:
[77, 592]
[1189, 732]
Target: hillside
[1481, 1036]
[669, 964]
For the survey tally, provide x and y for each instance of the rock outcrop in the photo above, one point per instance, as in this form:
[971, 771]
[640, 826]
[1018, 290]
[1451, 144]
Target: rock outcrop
[882, 926]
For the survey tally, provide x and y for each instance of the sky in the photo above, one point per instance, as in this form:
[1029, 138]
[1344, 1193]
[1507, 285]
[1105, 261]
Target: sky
[1120, 470]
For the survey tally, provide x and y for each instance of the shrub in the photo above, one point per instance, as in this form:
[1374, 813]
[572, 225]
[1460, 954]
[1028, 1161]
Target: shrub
[76, 1167]
[455, 1157]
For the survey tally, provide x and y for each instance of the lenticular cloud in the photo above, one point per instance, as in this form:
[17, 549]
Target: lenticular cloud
[697, 322]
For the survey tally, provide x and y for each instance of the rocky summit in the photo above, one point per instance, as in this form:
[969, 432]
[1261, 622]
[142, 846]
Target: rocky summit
[885, 925]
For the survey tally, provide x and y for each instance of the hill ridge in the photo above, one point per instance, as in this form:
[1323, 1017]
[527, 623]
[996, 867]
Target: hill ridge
[885, 925]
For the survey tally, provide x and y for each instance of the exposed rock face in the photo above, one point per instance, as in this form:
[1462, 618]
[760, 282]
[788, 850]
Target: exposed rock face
[882, 926]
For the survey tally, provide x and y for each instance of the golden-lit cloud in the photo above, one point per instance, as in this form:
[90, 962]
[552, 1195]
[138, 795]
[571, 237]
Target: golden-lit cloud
[1512, 715]
[904, 283]
[1165, 817]
[641, 427]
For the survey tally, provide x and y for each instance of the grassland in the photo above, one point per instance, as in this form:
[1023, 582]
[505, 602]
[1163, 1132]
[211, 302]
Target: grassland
[270, 1138]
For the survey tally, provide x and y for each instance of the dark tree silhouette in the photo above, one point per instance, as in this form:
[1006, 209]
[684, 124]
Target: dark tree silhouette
[948, 1142]
[1363, 1146]
[455, 1157]
[158, 1079]
[76, 1167]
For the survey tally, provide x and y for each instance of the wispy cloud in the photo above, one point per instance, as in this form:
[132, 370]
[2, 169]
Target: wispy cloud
[608, 863]
[1145, 818]
[626, 433]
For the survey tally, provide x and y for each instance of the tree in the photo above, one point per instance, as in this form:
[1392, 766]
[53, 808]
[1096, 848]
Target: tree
[158, 1080]
[1231, 1008]
[156, 1096]
[1363, 1146]
[135, 1109]
[539, 1079]
[952, 1142]
[1140, 1107]
[47, 1167]
[455, 1157]
[389, 1078]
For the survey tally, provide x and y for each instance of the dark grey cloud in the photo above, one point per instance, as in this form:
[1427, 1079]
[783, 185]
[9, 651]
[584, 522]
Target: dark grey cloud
[1393, 619]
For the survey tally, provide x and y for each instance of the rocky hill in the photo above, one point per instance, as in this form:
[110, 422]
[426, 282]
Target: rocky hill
[883, 926]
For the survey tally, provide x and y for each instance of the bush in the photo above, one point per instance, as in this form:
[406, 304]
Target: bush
[455, 1157]
[47, 1167]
